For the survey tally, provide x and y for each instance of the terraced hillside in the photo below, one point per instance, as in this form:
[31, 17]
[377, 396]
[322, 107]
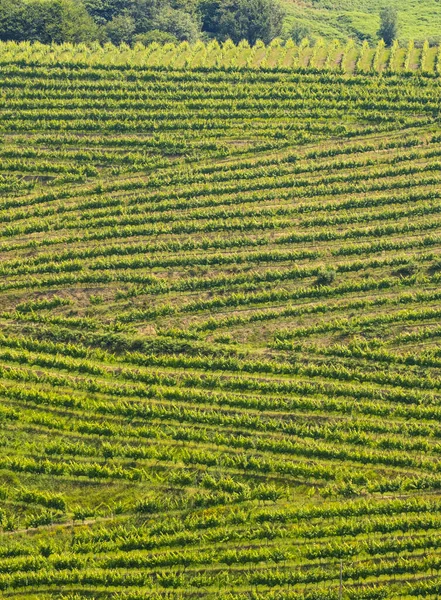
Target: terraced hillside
[220, 303]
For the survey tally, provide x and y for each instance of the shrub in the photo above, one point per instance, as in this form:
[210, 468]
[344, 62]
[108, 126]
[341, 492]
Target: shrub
[299, 32]
[326, 275]
[406, 270]
[155, 35]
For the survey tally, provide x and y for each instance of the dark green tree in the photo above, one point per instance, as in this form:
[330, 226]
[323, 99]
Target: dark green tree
[388, 25]
[46, 21]
[145, 14]
[104, 11]
[12, 20]
[121, 29]
[74, 23]
[242, 19]
[178, 23]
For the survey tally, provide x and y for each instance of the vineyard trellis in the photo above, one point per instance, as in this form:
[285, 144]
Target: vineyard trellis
[220, 371]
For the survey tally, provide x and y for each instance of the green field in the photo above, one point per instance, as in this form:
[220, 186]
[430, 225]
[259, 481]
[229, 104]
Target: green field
[220, 368]
[360, 19]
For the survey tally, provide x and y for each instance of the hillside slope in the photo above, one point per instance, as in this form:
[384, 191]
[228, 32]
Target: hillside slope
[220, 371]
[360, 19]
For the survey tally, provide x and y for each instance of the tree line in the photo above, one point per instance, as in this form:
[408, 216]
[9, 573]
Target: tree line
[145, 21]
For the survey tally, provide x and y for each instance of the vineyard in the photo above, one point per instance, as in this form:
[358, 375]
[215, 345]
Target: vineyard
[220, 303]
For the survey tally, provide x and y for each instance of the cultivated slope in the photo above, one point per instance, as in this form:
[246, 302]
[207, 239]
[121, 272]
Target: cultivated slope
[220, 371]
[418, 19]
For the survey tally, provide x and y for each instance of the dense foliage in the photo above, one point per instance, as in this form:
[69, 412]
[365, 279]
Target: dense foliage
[129, 21]
[238, 20]
[49, 21]
[220, 372]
